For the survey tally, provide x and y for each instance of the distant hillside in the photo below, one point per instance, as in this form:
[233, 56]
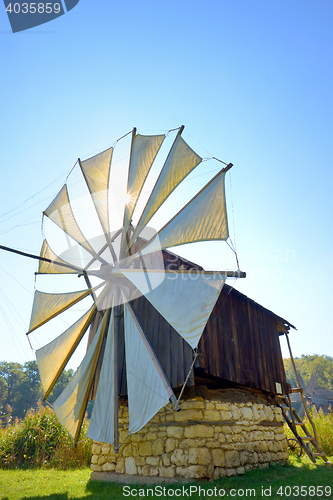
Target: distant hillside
[308, 364]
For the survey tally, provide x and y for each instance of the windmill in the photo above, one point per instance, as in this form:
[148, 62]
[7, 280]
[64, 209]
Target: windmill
[128, 264]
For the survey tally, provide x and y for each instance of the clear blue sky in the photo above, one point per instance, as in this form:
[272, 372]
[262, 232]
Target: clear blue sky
[251, 80]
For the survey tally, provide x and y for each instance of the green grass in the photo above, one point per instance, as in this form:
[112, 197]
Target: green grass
[75, 484]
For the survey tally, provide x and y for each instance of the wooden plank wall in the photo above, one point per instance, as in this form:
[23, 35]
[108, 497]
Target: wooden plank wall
[241, 343]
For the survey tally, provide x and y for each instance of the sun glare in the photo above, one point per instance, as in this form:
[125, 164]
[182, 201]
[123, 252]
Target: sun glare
[129, 199]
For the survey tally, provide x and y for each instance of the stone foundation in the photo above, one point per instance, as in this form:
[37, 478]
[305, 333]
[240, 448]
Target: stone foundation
[207, 439]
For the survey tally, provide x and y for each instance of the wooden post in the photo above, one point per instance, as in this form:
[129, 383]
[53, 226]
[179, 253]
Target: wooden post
[116, 318]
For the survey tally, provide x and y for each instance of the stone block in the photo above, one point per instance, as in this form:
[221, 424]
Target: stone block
[247, 413]
[96, 449]
[244, 457]
[192, 472]
[166, 459]
[158, 447]
[170, 444]
[185, 415]
[94, 459]
[226, 429]
[210, 406]
[178, 457]
[101, 460]
[140, 461]
[218, 458]
[199, 430]
[154, 471]
[175, 432]
[130, 467]
[225, 415]
[128, 451]
[145, 471]
[212, 415]
[222, 406]
[192, 405]
[105, 448]
[167, 472]
[218, 472]
[155, 461]
[151, 436]
[212, 443]
[96, 468]
[236, 413]
[200, 456]
[269, 413]
[120, 466]
[145, 449]
[232, 459]
[192, 443]
[107, 467]
[240, 470]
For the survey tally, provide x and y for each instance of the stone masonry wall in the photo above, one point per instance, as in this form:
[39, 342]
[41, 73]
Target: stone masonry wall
[206, 439]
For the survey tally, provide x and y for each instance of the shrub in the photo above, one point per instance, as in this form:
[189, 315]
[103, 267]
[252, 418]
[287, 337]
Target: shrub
[324, 426]
[40, 441]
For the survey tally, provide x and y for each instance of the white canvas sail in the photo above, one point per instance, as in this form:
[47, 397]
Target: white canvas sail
[179, 164]
[60, 212]
[185, 300]
[71, 404]
[48, 305]
[143, 154]
[52, 267]
[101, 426]
[204, 218]
[147, 392]
[96, 171]
[52, 358]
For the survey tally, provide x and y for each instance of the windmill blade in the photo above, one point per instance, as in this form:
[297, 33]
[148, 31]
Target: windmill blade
[147, 386]
[52, 358]
[52, 267]
[204, 218]
[48, 305]
[102, 421]
[60, 212]
[185, 300]
[143, 153]
[178, 165]
[71, 404]
[96, 172]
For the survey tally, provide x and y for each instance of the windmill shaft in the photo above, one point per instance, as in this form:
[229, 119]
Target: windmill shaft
[38, 257]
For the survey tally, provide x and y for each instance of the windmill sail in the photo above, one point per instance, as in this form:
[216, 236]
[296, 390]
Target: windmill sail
[179, 164]
[60, 212]
[52, 267]
[147, 392]
[195, 293]
[143, 154]
[96, 171]
[52, 358]
[102, 422]
[204, 218]
[71, 404]
[48, 305]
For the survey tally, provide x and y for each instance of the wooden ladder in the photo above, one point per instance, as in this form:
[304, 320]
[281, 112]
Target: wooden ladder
[307, 438]
[308, 441]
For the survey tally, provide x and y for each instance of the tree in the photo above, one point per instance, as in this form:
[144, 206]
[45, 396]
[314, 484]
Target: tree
[20, 387]
[308, 364]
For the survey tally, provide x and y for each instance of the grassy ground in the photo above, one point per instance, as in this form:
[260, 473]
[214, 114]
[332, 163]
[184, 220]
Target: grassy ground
[276, 482]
